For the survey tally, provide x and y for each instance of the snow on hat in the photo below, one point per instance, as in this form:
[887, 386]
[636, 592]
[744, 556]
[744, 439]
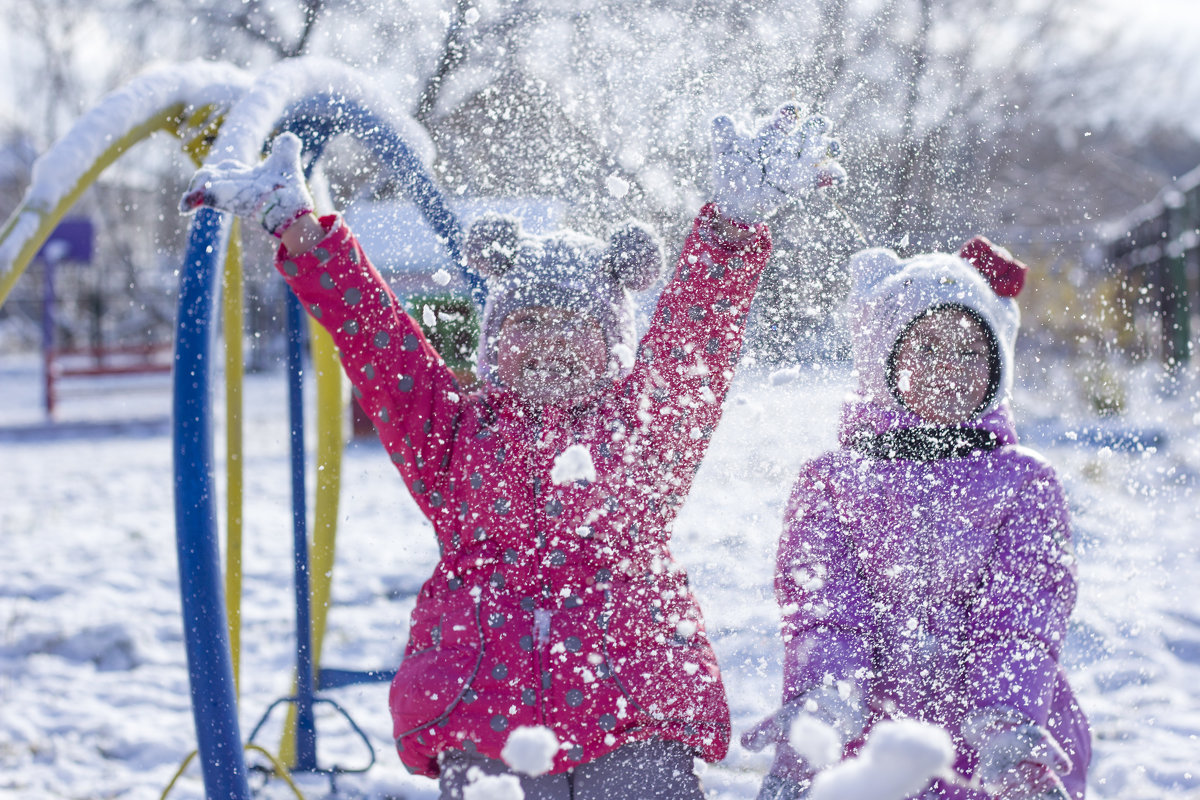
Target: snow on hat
[564, 269]
[888, 293]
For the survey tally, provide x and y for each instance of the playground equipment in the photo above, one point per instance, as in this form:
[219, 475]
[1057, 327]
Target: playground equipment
[220, 113]
[70, 244]
[186, 101]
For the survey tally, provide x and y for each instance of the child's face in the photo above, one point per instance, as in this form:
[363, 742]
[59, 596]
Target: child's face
[550, 355]
[942, 366]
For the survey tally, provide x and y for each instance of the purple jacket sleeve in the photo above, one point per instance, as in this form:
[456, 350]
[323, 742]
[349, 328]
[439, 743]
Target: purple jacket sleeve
[826, 610]
[1020, 615]
[401, 382]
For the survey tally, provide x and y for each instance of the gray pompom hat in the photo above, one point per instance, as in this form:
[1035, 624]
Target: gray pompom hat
[564, 269]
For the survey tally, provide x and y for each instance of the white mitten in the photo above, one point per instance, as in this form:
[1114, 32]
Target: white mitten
[755, 173]
[809, 733]
[1018, 759]
[272, 192]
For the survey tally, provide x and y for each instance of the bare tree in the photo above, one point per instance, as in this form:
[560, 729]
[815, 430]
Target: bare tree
[945, 134]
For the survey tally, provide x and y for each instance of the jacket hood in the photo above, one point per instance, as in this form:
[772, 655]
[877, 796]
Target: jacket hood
[888, 293]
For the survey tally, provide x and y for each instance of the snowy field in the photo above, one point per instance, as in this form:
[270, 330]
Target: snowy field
[93, 682]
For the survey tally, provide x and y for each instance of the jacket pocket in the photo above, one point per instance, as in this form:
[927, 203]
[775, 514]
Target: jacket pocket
[430, 682]
[667, 676]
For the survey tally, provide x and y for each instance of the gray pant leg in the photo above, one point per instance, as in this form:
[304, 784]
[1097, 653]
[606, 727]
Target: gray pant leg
[653, 770]
[456, 764]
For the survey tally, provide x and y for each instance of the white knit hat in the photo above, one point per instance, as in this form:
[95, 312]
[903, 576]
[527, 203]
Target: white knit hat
[564, 269]
[889, 293]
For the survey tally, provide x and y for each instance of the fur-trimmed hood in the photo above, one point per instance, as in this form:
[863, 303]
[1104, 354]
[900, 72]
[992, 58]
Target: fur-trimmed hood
[888, 293]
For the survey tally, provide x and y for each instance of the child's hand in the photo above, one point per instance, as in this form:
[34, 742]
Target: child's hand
[1018, 759]
[272, 192]
[790, 774]
[754, 174]
[821, 722]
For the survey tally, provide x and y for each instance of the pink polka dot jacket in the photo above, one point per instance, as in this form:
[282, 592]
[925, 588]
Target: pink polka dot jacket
[553, 605]
[940, 587]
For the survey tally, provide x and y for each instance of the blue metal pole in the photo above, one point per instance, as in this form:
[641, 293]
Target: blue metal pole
[210, 666]
[48, 298]
[306, 730]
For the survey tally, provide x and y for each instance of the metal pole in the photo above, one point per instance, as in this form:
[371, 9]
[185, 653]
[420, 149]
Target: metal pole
[48, 334]
[306, 732]
[206, 634]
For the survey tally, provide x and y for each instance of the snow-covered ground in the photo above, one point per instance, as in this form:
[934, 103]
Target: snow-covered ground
[93, 683]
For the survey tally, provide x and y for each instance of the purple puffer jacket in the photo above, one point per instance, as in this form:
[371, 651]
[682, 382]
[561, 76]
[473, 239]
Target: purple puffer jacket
[554, 605]
[941, 587]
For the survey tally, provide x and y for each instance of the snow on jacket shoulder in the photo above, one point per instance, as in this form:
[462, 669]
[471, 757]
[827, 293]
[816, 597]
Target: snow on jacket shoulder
[941, 586]
[555, 605]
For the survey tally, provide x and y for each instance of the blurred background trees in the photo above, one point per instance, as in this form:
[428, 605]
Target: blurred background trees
[1027, 121]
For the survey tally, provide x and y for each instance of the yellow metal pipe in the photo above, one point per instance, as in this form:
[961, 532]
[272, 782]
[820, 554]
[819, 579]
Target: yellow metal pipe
[233, 305]
[47, 219]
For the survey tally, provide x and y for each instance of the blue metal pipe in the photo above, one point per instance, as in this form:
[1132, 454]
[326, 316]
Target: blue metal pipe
[320, 118]
[306, 729]
[210, 665]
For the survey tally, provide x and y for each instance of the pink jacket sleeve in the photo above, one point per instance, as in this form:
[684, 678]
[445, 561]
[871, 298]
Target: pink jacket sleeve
[400, 381]
[685, 362]
[1020, 615]
[826, 608]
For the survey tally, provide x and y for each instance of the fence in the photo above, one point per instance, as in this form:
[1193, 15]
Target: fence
[1156, 252]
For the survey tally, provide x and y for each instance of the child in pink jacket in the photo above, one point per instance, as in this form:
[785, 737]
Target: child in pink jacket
[926, 568]
[552, 488]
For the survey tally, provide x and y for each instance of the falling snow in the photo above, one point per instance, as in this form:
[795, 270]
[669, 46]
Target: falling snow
[93, 652]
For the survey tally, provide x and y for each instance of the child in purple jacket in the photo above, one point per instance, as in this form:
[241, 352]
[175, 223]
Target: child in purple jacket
[926, 569]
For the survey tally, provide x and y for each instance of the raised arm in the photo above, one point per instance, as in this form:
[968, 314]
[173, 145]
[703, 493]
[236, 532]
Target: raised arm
[399, 379]
[686, 360]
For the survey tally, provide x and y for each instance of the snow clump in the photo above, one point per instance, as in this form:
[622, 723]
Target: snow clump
[573, 464]
[617, 186]
[530, 750]
[780, 377]
[623, 353]
[898, 760]
[816, 741]
[491, 787]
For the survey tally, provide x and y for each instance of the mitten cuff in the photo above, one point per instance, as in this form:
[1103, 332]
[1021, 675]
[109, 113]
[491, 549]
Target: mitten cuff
[284, 205]
[713, 217]
[335, 231]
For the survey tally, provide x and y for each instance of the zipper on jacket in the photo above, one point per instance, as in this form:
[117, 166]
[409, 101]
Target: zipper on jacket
[541, 626]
